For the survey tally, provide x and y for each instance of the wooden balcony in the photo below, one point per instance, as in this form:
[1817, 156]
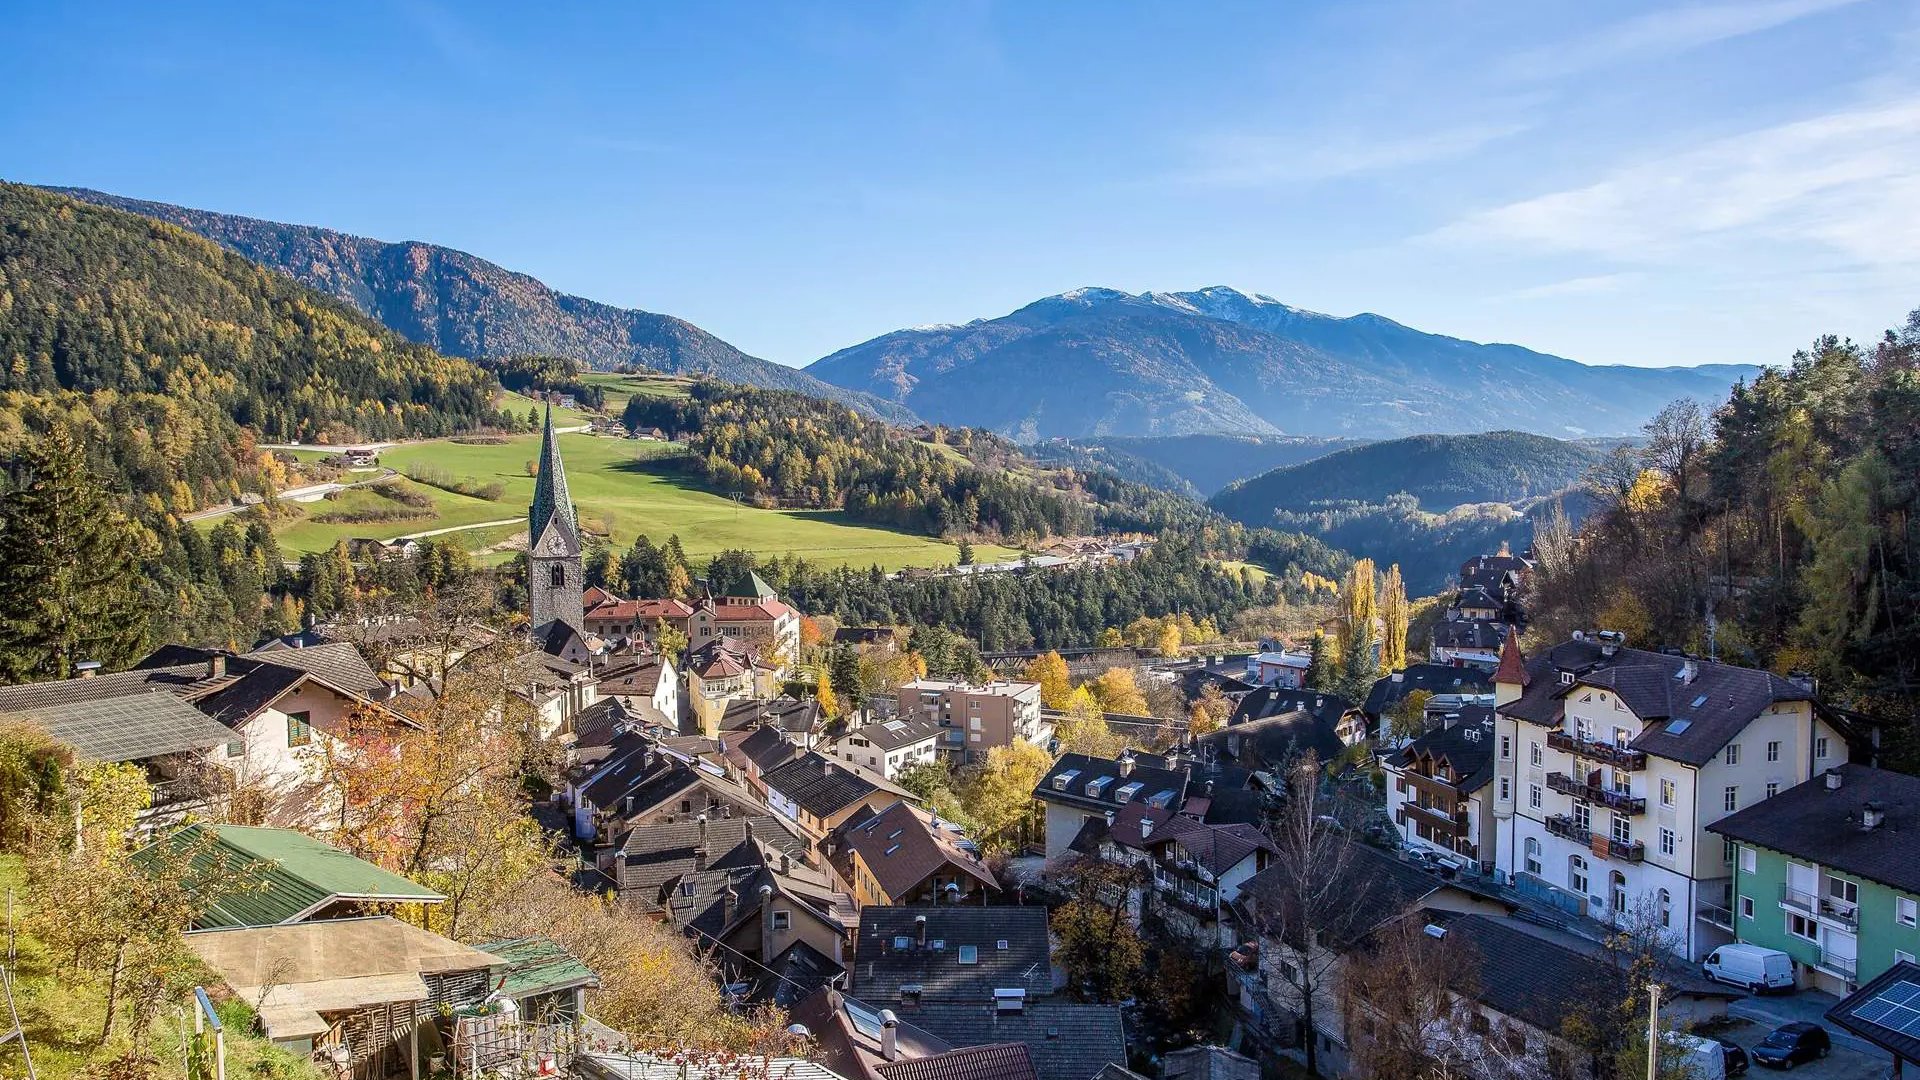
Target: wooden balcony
[1630, 760]
[1604, 846]
[1622, 801]
[1439, 820]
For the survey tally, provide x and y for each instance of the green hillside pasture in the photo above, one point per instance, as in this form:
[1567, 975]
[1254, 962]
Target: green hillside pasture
[619, 486]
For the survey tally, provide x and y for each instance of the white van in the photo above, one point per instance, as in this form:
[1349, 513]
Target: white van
[1702, 1058]
[1750, 966]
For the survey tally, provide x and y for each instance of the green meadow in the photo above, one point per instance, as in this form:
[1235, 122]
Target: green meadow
[623, 488]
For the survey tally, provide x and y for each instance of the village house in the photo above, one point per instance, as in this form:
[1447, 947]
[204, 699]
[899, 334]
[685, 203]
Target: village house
[1079, 789]
[891, 747]
[356, 991]
[1828, 872]
[759, 752]
[1465, 642]
[979, 717]
[859, 1041]
[647, 686]
[632, 620]
[1439, 791]
[1330, 714]
[1194, 869]
[1279, 668]
[718, 674]
[752, 617]
[639, 782]
[906, 855]
[268, 877]
[818, 794]
[800, 720]
[1437, 680]
[1612, 762]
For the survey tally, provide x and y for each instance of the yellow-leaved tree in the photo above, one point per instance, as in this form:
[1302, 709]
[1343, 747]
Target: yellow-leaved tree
[1049, 669]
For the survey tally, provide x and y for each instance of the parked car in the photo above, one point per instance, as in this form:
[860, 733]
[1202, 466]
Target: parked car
[1750, 966]
[1790, 1044]
[1733, 1058]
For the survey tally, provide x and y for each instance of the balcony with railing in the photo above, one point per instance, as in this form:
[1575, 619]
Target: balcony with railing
[1433, 818]
[1623, 801]
[1715, 905]
[1826, 908]
[1846, 967]
[1601, 844]
[1631, 760]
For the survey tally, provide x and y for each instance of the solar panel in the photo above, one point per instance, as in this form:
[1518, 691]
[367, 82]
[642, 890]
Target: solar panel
[1897, 1008]
[130, 728]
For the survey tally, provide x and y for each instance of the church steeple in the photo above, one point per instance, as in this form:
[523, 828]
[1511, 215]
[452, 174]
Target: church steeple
[554, 574]
[550, 496]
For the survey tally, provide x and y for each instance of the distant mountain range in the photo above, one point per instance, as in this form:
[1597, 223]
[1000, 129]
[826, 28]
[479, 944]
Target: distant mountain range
[1096, 362]
[462, 305]
[1194, 464]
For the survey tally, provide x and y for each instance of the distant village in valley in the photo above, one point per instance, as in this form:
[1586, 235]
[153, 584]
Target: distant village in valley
[1013, 869]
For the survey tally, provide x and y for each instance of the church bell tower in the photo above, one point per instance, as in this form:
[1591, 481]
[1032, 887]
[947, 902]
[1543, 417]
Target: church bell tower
[554, 574]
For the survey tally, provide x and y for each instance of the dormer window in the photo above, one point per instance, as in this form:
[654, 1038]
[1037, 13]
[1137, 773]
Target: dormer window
[1097, 787]
[1065, 780]
[1127, 792]
[1566, 678]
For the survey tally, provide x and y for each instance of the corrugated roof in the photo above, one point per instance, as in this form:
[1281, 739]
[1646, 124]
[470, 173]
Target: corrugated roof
[538, 965]
[298, 875]
[132, 727]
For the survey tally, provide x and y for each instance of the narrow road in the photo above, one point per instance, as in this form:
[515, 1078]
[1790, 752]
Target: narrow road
[308, 493]
[461, 528]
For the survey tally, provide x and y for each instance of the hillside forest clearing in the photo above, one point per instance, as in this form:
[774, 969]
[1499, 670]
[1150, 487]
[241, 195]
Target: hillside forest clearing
[622, 491]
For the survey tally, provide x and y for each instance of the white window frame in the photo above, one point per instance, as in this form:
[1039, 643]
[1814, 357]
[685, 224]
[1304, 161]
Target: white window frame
[1906, 910]
[1733, 753]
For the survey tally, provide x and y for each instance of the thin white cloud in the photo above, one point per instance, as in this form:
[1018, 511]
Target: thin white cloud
[1255, 160]
[1847, 182]
[1661, 34]
[1579, 286]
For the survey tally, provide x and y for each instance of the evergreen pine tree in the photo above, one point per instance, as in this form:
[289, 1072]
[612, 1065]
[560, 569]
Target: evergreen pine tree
[70, 582]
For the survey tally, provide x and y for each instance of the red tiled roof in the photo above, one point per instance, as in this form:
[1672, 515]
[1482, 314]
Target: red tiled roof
[1513, 668]
[764, 610]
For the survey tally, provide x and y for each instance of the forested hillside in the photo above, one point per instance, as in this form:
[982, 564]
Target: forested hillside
[1777, 529]
[1206, 463]
[169, 355]
[779, 448]
[1440, 471]
[466, 306]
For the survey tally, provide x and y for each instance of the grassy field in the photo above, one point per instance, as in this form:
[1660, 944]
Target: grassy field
[620, 388]
[1260, 573]
[621, 488]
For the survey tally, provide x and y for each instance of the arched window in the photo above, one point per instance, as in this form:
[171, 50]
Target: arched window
[1577, 874]
[557, 576]
[1533, 856]
[1617, 892]
[1666, 908]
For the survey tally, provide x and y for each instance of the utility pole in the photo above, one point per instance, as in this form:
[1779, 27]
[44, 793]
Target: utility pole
[1653, 1031]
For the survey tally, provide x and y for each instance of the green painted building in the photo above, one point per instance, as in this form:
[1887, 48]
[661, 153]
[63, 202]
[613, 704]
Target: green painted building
[1828, 872]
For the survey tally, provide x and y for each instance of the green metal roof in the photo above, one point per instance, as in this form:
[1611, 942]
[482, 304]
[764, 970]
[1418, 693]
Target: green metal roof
[536, 965]
[299, 875]
[753, 587]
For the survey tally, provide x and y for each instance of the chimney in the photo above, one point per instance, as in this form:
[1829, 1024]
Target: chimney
[702, 819]
[1146, 827]
[889, 1035]
[729, 900]
[786, 863]
[700, 858]
[1872, 815]
[1206, 789]
[1834, 779]
[1689, 670]
[766, 923]
[217, 666]
[749, 828]
[86, 669]
[1399, 676]
[1126, 764]
[920, 929]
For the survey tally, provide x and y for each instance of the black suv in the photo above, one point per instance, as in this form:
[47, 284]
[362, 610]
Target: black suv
[1790, 1044]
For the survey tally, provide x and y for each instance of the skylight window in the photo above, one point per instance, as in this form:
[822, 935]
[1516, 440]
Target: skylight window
[969, 954]
[1679, 727]
[1699, 701]
[1001, 944]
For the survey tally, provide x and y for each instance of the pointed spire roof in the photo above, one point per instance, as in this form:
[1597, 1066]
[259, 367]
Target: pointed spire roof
[550, 498]
[1513, 666]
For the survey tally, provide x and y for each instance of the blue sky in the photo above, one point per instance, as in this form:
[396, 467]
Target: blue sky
[1615, 182]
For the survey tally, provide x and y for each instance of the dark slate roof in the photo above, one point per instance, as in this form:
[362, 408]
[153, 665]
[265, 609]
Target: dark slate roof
[894, 734]
[1268, 701]
[795, 974]
[1381, 887]
[1475, 596]
[1433, 678]
[1852, 1011]
[1067, 1040]
[659, 853]
[1001, 1061]
[785, 713]
[890, 957]
[1272, 742]
[1157, 782]
[1469, 633]
[1809, 821]
[596, 727]
[903, 845]
[636, 770]
[338, 664]
[846, 1032]
[1218, 848]
[819, 785]
[767, 747]
[1524, 973]
[133, 727]
[1686, 720]
[1467, 746]
[1115, 1071]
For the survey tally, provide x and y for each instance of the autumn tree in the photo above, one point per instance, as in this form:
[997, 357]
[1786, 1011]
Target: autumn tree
[1117, 692]
[1049, 669]
[1407, 998]
[70, 586]
[1098, 946]
[1394, 614]
[823, 694]
[669, 639]
[998, 793]
[1210, 712]
[1082, 728]
[1407, 718]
